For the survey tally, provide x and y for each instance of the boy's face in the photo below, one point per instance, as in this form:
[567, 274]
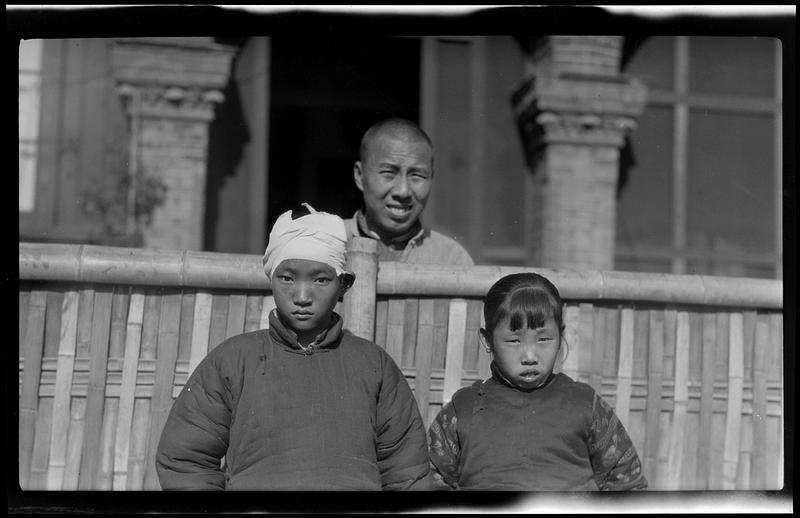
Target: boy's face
[305, 294]
[525, 356]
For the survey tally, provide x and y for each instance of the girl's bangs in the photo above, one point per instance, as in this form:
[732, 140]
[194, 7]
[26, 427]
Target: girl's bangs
[528, 307]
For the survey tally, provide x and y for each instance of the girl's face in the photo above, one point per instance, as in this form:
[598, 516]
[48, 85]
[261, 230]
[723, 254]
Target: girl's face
[525, 356]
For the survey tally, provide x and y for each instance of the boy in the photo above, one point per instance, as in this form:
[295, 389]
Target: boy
[302, 405]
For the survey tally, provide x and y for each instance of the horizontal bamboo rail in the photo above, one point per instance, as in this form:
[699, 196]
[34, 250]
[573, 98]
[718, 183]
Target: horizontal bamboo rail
[133, 266]
[692, 365]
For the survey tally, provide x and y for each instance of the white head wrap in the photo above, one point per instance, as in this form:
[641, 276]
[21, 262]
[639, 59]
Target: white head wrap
[317, 236]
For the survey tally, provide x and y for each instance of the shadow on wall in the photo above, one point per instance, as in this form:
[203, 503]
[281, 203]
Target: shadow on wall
[227, 138]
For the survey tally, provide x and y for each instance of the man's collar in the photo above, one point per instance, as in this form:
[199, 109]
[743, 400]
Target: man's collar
[414, 233]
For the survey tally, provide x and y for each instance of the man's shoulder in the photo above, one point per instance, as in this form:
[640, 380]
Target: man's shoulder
[444, 249]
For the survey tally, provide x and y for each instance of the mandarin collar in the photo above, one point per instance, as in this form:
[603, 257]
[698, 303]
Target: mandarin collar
[414, 233]
[326, 340]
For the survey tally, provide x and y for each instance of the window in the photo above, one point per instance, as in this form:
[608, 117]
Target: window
[30, 90]
[708, 148]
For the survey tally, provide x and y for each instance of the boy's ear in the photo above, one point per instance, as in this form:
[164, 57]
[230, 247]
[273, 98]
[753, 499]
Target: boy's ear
[346, 281]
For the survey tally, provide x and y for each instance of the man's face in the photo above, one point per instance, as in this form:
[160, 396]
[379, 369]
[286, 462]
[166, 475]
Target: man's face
[395, 178]
[305, 294]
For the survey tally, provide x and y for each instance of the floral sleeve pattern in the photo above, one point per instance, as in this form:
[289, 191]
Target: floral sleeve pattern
[616, 464]
[444, 448]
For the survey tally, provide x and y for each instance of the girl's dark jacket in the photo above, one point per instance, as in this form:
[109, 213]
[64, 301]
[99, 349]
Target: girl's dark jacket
[338, 415]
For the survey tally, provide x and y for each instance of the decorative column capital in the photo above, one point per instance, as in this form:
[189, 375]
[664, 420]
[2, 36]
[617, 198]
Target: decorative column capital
[171, 77]
[573, 94]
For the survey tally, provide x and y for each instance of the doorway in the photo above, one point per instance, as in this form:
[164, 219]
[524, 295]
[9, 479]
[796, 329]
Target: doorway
[324, 93]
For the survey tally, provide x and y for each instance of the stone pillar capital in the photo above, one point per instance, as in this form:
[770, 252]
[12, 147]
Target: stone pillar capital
[572, 93]
[576, 110]
[171, 77]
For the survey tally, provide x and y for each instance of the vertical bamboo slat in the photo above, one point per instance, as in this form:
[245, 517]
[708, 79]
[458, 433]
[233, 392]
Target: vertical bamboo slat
[586, 340]
[85, 317]
[441, 309]
[744, 467]
[706, 395]
[611, 355]
[423, 357]
[670, 327]
[236, 310]
[77, 427]
[395, 328]
[130, 368]
[186, 326]
[52, 326]
[598, 348]
[716, 461]
[95, 397]
[690, 437]
[410, 333]
[219, 320]
[734, 415]
[381, 316]
[200, 329]
[454, 358]
[675, 451]
[775, 431]
[119, 314]
[24, 299]
[105, 472]
[252, 318]
[625, 369]
[746, 447]
[572, 336]
[63, 389]
[41, 444]
[152, 312]
[641, 337]
[161, 401]
[654, 383]
[138, 452]
[32, 368]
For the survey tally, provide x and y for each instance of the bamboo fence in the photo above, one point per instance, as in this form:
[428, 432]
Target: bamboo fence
[691, 364]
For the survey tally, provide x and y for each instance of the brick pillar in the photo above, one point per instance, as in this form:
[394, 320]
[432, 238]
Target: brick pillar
[169, 87]
[573, 111]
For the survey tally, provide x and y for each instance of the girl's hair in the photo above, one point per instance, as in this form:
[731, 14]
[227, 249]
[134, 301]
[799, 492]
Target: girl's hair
[526, 299]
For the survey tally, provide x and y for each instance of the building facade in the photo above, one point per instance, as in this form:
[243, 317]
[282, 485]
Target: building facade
[661, 154]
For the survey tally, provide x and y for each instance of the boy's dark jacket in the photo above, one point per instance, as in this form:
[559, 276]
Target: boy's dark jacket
[338, 416]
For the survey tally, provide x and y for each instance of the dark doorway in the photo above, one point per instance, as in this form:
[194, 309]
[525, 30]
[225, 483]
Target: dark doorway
[324, 93]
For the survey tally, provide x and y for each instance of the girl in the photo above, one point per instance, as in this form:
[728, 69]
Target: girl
[526, 428]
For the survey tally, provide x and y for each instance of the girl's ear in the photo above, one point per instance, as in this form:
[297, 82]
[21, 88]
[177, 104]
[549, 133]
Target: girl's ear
[485, 337]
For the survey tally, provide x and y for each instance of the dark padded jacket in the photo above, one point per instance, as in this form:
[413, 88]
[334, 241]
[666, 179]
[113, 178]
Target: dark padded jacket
[336, 416]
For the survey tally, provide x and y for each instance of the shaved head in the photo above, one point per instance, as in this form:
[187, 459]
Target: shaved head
[395, 128]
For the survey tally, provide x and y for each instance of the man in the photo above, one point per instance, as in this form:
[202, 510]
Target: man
[394, 172]
[302, 405]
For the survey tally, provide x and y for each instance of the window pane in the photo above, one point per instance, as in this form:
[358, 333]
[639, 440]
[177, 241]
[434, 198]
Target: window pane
[644, 214]
[653, 62]
[30, 93]
[731, 203]
[731, 66]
